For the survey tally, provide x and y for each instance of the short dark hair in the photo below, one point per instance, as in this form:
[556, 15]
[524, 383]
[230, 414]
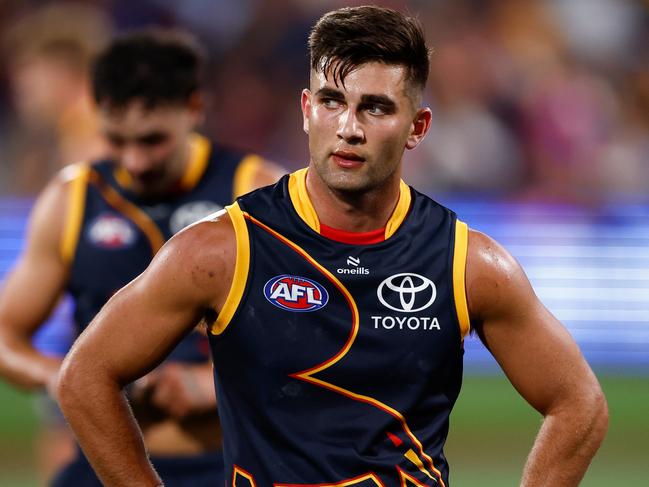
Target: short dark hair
[344, 39]
[155, 66]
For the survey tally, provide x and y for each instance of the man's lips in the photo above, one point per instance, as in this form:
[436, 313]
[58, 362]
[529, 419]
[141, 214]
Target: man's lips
[347, 159]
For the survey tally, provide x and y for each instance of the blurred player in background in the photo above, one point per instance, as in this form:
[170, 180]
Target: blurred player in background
[97, 226]
[48, 52]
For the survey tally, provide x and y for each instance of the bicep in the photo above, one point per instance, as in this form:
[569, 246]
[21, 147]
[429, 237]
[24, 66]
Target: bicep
[534, 349]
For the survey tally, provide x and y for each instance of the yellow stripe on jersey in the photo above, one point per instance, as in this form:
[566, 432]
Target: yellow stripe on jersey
[76, 206]
[238, 471]
[199, 151]
[344, 483]
[412, 456]
[459, 269]
[123, 178]
[301, 201]
[131, 211]
[400, 211]
[244, 175]
[241, 267]
[408, 480]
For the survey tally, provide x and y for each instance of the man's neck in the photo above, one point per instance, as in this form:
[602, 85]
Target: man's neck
[351, 211]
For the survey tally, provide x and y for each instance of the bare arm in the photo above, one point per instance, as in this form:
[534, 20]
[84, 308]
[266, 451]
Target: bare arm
[31, 291]
[138, 327]
[541, 360]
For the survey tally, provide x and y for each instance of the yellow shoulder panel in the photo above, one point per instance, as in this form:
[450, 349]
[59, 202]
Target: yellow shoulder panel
[241, 266]
[79, 174]
[244, 176]
[200, 148]
[400, 211]
[300, 199]
[459, 269]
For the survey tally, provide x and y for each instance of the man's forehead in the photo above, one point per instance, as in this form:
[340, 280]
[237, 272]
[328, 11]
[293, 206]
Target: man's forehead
[138, 108]
[367, 78]
[133, 125]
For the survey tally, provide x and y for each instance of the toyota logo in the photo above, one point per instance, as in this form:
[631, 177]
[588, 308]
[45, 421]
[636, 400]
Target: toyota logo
[407, 292]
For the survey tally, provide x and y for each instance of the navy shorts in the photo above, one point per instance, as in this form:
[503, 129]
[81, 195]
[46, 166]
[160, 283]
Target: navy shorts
[205, 470]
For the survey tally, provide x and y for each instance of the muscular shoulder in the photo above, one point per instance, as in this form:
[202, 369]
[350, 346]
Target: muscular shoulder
[202, 257]
[495, 282]
[50, 213]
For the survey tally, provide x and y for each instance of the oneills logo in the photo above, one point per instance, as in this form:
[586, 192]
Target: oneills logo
[355, 263]
[294, 293]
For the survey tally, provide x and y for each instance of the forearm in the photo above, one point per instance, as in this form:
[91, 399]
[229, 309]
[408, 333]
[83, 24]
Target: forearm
[565, 446]
[24, 366]
[105, 428]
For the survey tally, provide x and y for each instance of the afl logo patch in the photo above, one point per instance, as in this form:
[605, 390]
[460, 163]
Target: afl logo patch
[110, 231]
[295, 293]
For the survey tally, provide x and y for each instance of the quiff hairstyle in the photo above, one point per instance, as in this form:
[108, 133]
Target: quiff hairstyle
[344, 39]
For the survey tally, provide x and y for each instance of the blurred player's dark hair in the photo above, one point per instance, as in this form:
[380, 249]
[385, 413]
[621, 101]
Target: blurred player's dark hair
[156, 67]
[344, 39]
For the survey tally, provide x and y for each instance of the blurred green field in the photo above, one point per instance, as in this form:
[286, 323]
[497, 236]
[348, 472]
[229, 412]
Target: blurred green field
[491, 432]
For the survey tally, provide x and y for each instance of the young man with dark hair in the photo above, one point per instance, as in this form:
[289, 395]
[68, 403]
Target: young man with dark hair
[98, 225]
[336, 303]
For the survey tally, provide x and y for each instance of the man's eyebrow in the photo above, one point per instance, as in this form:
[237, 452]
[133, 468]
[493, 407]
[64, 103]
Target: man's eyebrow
[113, 135]
[378, 100]
[329, 93]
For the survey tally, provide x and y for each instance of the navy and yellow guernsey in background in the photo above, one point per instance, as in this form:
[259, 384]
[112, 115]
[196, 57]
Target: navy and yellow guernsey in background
[111, 235]
[338, 364]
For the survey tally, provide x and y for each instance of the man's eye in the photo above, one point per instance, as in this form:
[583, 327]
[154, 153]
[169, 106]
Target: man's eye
[376, 110]
[115, 141]
[153, 139]
[330, 103]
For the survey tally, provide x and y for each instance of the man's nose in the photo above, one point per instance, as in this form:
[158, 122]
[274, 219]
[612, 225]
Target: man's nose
[135, 159]
[350, 128]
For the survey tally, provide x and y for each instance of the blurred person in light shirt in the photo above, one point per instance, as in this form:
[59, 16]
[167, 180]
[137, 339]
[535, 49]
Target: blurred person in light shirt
[47, 52]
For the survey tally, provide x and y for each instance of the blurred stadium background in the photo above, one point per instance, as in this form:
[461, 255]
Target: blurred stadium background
[540, 138]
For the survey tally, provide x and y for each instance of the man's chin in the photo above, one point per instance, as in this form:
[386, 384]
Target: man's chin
[148, 190]
[348, 183]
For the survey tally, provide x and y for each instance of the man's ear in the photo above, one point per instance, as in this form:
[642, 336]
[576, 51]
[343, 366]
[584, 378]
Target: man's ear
[306, 109]
[419, 128]
[196, 106]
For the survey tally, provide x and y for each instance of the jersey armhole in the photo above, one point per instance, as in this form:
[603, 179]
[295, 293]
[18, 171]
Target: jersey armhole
[75, 210]
[241, 267]
[244, 175]
[459, 282]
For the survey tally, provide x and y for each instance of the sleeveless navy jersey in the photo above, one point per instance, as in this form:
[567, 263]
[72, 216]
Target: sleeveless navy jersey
[339, 364]
[112, 235]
